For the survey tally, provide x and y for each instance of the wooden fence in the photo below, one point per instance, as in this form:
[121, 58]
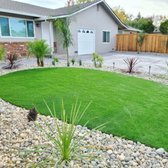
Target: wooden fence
[152, 43]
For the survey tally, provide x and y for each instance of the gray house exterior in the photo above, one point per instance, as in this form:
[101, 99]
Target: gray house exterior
[93, 26]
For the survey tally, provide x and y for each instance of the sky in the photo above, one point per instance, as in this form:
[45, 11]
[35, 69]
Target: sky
[145, 7]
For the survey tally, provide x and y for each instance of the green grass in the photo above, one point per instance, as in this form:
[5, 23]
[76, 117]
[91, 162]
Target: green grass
[136, 109]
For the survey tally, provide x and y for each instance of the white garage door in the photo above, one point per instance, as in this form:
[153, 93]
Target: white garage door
[86, 41]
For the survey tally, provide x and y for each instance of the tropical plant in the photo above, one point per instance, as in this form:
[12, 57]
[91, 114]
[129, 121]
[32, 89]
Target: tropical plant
[140, 41]
[55, 60]
[164, 27]
[131, 63]
[39, 48]
[73, 61]
[97, 60]
[64, 140]
[63, 30]
[2, 53]
[12, 59]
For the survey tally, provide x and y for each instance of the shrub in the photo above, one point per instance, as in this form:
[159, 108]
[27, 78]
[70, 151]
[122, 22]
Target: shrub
[80, 62]
[97, 60]
[131, 63]
[2, 53]
[73, 61]
[55, 60]
[164, 27]
[12, 59]
[39, 49]
[32, 115]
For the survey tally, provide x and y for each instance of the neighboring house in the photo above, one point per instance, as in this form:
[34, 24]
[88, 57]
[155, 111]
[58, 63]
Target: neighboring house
[129, 30]
[93, 26]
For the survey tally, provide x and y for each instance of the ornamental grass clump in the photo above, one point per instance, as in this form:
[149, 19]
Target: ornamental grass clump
[62, 135]
[39, 48]
[73, 61]
[55, 61]
[97, 60]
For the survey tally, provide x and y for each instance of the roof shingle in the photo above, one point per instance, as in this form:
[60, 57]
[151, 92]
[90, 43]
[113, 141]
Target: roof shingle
[37, 10]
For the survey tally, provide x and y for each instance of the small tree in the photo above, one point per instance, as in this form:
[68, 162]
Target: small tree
[2, 53]
[120, 12]
[39, 49]
[164, 27]
[62, 28]
[140, 40]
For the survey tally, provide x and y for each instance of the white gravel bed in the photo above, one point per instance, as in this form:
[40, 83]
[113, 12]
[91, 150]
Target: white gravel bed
[17, 135]
[30, 63]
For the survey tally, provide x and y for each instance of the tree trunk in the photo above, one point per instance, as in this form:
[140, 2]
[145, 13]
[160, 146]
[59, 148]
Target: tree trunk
[68, 64]
[42, 63]
[38, 62]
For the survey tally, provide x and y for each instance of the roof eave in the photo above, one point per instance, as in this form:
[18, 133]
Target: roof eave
[20, 13]
[72, 14]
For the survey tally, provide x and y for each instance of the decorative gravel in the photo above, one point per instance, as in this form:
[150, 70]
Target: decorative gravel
[19, 138]
[23, 145]
[30, 63]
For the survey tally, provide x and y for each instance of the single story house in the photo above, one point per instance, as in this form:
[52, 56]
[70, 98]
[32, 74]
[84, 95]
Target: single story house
[130, 30]
[93, 26]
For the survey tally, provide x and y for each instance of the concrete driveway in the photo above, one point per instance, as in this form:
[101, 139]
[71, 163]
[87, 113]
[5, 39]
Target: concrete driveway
[156, 61]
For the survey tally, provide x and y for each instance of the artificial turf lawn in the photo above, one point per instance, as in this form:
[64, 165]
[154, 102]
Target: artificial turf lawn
[134, 108]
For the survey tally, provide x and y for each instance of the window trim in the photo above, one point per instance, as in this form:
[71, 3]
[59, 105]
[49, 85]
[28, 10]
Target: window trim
[12, 37]
[109, 31]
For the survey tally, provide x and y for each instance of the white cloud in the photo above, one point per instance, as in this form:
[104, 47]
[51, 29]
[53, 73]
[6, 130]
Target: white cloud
[146, 7]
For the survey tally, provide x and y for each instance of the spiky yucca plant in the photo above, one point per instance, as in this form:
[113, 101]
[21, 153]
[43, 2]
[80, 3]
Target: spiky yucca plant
[131, 63]
[63, 140]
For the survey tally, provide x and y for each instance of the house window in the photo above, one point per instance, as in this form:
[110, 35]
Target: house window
[18, 28]
[15, 27]
[4, 25]
[30, 29]
[106, 36]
